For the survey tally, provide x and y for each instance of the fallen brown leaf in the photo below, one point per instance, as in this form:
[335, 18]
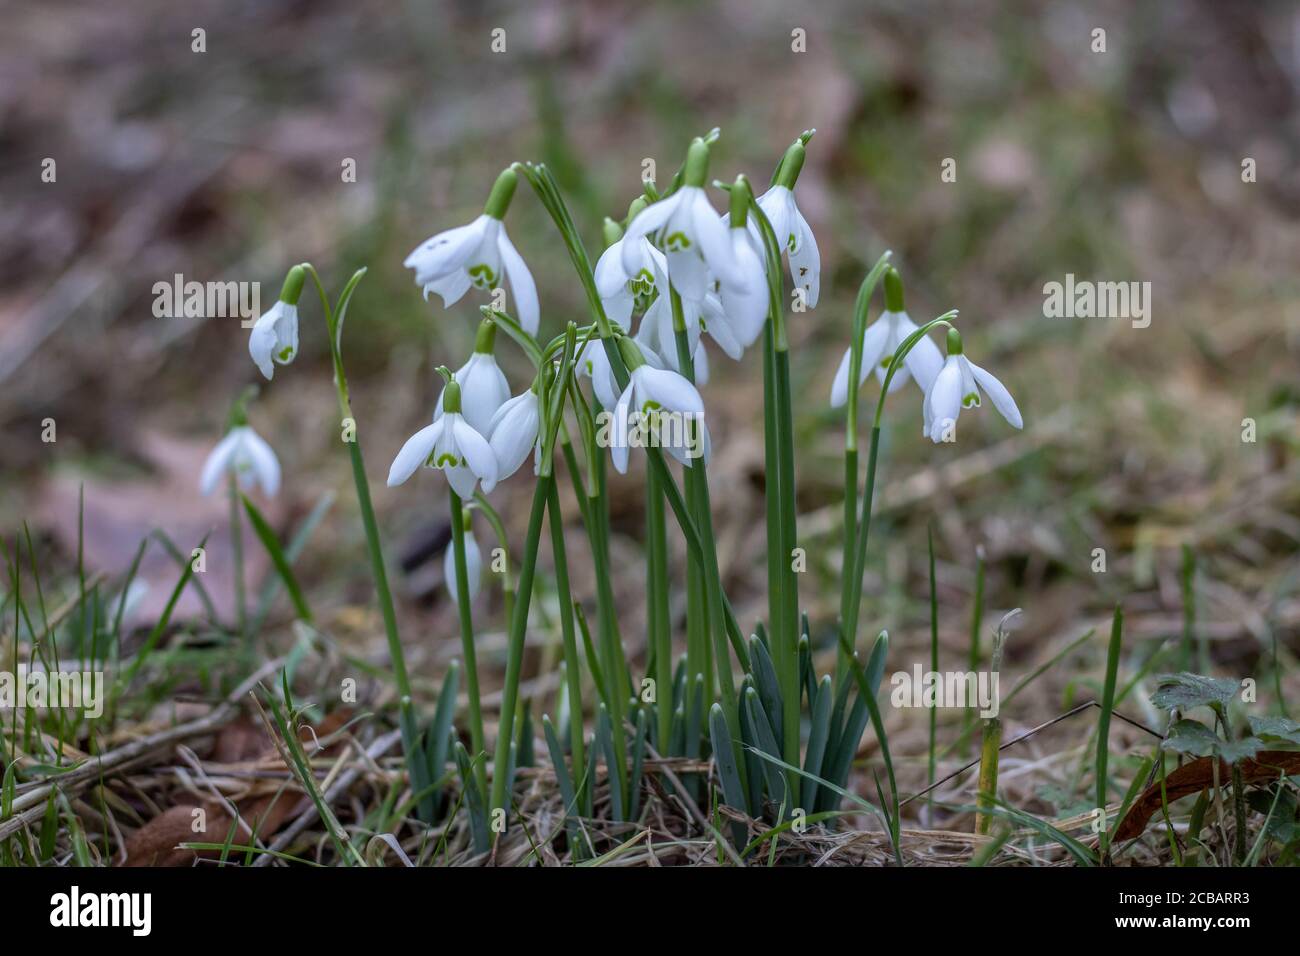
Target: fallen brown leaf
[1198, 775]
[157, 843]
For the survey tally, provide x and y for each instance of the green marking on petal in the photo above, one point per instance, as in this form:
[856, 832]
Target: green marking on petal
[482, 276]
[677, 242]
[971, 401]
[445, 459]
[792, 244]
[285, 353]
[643, 283]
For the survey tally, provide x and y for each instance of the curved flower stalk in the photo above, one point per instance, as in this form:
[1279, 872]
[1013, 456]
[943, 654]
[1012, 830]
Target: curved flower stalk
[473, 565]
[481, 255]
[686, 226]
[483, 386]
[453, 446]
[246, 457]
[274, 339]
[957, 386]
[879, 342]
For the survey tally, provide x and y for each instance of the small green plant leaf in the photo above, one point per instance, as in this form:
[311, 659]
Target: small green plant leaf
[1276, 728]
[1194, 738]
[271, 543]
[1185, 691]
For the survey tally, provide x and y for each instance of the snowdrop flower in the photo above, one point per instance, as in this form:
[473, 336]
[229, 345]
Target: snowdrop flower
[513, 433]
[658, 340]
[452, 445]
[688, 229]
[473, 566]
[744, 304]
[480, 255]
[623, 276]
[879, 343]
[483, 386]
[649, 393]
[274, 338]
[791, 228]
[957, 386]
[245, 455]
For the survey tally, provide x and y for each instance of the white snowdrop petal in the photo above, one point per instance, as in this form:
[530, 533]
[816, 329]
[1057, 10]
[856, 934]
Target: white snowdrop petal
[415, 452]
[924, 361]
[262, 341]
[714, 239]
[805, 260]
[945, 398]
[670, 390]
[452, 287]
[219, 461]
[611, 277]
[998, 395]
[840, 383]
[445, 253]
[264, 466]
[476, 453]
[647, 222]
[522, 287]
[514, 433]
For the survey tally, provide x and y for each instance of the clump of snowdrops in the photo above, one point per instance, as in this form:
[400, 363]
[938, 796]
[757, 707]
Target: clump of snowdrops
[781, 737]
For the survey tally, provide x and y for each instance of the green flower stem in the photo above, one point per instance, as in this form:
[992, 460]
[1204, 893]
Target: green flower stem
[467, 632]
[334, 323]
[715, 656]
[772, 492]
[237, 556]
[697, 608]
[934, 669]
[573, 672]
[779, 449]
[853, 587]
[658, 620]
[543, 184]
[789, 541]
[860, 310]
[515, 647]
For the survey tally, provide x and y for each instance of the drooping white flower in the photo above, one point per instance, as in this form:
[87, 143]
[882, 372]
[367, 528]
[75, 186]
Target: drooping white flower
[513, 433]
[623, 276]
[274, 339]
[685, 225]
[796, 237]
[649, 393]
[479, 254]
[473, 568]
[957, 386]
[880, 341]
[452, 445]
[658, 340]
[744, 304]
[483, 386]
[244, 454]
